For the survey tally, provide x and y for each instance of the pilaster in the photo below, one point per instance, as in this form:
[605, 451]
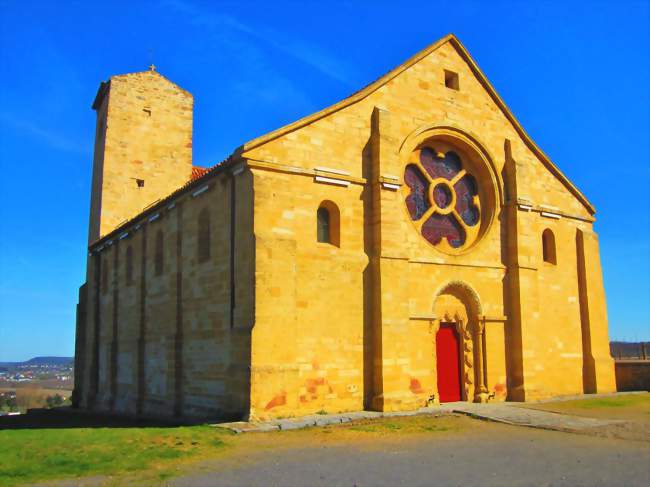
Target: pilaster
[80, 370]
[522, 293]
[177, 341]
[94, 339]
[389, 262]
[114, 335]
[142, 332]
[598, 365]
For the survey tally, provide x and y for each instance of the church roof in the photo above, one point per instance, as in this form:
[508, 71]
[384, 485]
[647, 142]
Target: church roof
[375, 85]
[199, 173]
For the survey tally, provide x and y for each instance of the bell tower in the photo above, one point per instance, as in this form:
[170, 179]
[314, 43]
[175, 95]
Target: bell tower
[143, 146]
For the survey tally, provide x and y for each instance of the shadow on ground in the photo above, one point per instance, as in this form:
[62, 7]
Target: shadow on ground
[71, 418]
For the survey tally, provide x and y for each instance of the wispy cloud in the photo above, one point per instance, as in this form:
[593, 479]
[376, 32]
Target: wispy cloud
[307, 53]
[48, 136]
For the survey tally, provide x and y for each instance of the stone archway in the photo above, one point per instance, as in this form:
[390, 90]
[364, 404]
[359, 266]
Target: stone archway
[458, 304]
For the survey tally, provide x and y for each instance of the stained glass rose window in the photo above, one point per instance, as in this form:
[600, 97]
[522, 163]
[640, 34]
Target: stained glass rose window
[444, 200]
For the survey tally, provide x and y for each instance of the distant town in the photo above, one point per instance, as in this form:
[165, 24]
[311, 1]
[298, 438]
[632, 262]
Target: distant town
[35, 383]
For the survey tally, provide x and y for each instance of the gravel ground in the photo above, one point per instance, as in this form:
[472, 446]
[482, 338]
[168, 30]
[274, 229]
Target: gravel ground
[487, 455]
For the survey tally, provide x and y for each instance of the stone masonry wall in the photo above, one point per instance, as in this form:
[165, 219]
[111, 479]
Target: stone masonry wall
[308, 340]
[341, 326]
[143, 149]
[408, 270]
[171, 344]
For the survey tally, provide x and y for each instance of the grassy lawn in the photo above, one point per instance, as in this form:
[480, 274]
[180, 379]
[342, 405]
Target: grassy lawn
[41, 454]
[633, 407]
[152, 454]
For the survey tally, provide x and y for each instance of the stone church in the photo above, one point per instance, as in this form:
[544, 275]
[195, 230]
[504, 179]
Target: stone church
[406, 246]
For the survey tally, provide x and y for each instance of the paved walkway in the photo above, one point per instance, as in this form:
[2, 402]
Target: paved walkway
[520, 416]
[506, 413]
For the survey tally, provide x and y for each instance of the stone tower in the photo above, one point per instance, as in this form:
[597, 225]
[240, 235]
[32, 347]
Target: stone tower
[143, 147]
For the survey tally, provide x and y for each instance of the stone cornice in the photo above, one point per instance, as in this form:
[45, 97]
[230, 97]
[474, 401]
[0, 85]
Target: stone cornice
[316, 172]
[534, 208]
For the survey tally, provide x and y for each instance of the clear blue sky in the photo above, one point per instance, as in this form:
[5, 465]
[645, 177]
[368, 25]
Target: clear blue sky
[575, 75]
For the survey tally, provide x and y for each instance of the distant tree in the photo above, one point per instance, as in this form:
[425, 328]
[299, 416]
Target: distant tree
[8, 403]
[30, 397]
[54, 401]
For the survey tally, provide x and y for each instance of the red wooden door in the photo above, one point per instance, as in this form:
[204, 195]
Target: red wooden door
[447, 354]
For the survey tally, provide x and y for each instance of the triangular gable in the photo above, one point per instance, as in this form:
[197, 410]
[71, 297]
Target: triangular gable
[374, 86]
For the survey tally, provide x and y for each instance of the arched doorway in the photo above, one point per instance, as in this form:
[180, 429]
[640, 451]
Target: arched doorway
[459, 344]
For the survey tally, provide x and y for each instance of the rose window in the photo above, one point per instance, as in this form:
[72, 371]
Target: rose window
[444, 200]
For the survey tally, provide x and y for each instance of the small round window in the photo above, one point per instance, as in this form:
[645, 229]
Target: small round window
[444, 200]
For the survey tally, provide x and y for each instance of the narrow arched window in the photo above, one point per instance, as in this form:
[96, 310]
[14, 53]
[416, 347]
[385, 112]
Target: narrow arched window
[548, 247]
[158, 254]
[129, 265]
[328, 223]
[323, 225]
[204, 235]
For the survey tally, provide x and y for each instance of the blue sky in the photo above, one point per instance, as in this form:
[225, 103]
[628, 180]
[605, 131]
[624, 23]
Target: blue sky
[575, 75]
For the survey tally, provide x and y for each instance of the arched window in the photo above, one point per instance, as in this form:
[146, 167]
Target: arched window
[129, 265]
[204, 235]
[158, 254]
[323, 225]
[328, 223]
[548, 247]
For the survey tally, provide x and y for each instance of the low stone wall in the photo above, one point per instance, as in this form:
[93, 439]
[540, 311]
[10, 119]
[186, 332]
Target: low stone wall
[632, 375]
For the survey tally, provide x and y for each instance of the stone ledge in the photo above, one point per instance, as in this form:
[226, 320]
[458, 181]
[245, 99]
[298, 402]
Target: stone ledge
[513, 413]
[326, 419]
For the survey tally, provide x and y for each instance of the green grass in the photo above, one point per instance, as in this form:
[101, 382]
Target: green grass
[152, 455]
[39, 454]
[409, 425]
[628, 407]
[611, 402]
[376, 427]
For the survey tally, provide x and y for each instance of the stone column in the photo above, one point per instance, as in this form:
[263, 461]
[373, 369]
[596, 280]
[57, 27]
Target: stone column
[434, 326]
[480, 392]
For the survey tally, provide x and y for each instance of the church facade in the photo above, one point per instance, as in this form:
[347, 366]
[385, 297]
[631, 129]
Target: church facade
[406, 246]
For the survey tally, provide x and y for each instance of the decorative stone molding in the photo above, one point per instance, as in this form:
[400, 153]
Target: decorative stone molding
[328, 180]
[467, 292]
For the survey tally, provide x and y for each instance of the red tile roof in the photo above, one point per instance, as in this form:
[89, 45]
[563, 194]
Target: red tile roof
[197, 172]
